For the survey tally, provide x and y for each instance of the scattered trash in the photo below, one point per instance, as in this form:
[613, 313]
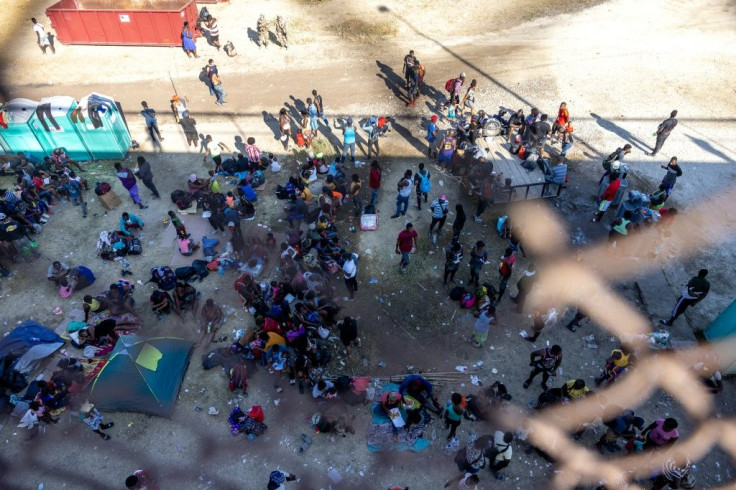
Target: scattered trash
[197, 409]
[589, 338]
[474, 380]
[213, 411]
[591, 346]
[494, 371]
[524, 334]
[462, 369]
[334, 475]
[381, 364]
[479, 363]
[277, 401]
[372, 281]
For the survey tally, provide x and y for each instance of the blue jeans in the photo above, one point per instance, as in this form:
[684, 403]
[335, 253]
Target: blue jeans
[565, 148]
[374, 196]
[405, 259]
[402, 202]
[219, 92]
[345, 151]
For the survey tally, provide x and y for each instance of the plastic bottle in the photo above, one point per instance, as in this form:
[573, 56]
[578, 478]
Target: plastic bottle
[591, 346]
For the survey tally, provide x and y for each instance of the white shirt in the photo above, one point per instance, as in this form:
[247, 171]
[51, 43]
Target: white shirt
[316, 392]
[349, 269]
[214, 148]
[38, 28]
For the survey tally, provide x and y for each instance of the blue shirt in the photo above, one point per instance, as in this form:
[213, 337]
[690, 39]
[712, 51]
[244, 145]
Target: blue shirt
[431, 128]
[312, 110]
[349, 136]
[150, 116]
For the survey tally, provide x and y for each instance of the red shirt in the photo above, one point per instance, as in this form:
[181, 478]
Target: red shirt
[406, 240]
[374, 178]
[610, 193]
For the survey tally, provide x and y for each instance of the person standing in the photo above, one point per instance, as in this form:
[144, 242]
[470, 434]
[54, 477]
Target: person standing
[608, 195]
[469, 97]
[253, 152]
[408, 68]
[412, 91]
[423, 184]
[285, 128]
[42, 39]
[696, 290]
[505, 269]
[454, 413]
[459, 223]
[371, 127]
[439, 214]
[453, 258]
[218, 89]
[127, 178]
[478, 257]
[563, 118]
[350, 271]
[151, 123]
[355, 187]
[187, 41]
[281, 35]
[447, 148]
[524, 285]
[140, 480]
[189, 125]
[406, 243]
[486, 197]
[374, 181]
[320, 107]
[214, 150]
[673, 171]
[313, 114]
[575, 322]
[404, 191]
[545, 361]
[567, 139]
[455, 87]
[482, 325]
[431, 137]
[348, 140]
[663, 132]
[211, 70]
[262, 28]
[146, 176]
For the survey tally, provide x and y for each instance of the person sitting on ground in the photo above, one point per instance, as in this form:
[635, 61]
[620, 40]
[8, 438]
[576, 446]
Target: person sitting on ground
[79, 278]
[195, 184]
[660, 433]
[616, 364]
[101, 334]
[130, 222]
[330, 422]
[57, 271]
[422, 390]
[575, 389]
[52, 394]
[185, 299]
[212, 317]
[186, 245]
[161, 303]
[94, 305]
[324, 389]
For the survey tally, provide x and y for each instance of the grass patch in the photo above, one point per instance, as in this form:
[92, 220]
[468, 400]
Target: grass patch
[321, 145]
[361, 30]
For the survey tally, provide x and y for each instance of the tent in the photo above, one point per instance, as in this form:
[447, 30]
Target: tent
[22, 350]
[142, 375]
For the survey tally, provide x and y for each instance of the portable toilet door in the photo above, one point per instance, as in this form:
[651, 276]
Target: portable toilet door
[18, 136]
[104, 131]
[55, 128]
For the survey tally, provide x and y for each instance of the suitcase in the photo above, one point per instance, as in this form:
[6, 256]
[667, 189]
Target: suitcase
[109, 200]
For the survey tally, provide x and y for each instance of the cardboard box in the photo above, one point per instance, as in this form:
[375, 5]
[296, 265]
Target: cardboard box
[109, 200]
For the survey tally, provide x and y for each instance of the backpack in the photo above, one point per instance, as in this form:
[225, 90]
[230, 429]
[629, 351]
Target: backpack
[176, 195]
[257, 180]
[135, 247]
[164, 277]
[449, 84]
[281, 192]
[457, 293]
[425, 185]
[500, 224]
[185, 273]
[200, 266]
[609, 160]
[468, 300]
[102, 188]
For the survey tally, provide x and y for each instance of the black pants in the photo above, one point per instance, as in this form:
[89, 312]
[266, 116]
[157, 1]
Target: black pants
[420, 194]
[452, 425]
[151, 186]
[435, 221]
[482, 205]
[352, 285]
[537, 370]
[661, 138]
[43, 111]
[680, 307]
[449, 274]
[154, 129]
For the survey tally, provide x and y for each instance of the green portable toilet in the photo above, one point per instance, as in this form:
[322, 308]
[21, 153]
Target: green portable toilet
[104, 132]
[19, 136]
[54, 127]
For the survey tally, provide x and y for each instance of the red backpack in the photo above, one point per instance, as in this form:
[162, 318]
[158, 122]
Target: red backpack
[449, 84]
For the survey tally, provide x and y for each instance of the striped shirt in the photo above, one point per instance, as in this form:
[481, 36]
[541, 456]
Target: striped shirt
[214, 29]
[254, 154]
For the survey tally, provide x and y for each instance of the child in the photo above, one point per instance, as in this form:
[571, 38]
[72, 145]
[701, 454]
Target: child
[90, 416]
[181, 230]
[230, 200]
[270, 240]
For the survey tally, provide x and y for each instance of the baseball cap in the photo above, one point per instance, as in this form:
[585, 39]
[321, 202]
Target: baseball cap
[434, 118]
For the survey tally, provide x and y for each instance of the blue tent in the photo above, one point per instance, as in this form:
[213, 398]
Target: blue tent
[142, 375]
[22, 350]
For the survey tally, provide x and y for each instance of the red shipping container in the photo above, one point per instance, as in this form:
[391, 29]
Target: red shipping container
[122, 22]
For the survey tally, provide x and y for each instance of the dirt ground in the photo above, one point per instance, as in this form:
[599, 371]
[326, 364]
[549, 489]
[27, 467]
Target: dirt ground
[621, 66]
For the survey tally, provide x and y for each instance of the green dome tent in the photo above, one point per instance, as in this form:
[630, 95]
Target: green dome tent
[142, 375]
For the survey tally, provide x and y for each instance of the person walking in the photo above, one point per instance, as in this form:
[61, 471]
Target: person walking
[482, 325]
[663, 132]
[146, 176]
[459, 223]
[505, 269]
[151, 123]
[320, 107]
[408, 68]
[486, 196]
[432, 137]
[218, 89]
[439, 214]
[608, 195]
[187, 41]
[524, 285]
[189, 125]
[453, 258]
[545, 361]
[127, 178]
[42, 39]
[406, 244]
[213, 149]
[447, 148]
[211, 70]
[696, 290]
[673, 171]
[374, 181]
[348, 140]
[575, 322]
[478, 257]
[371, 127]
[423, 185]
[404, 191]
[350, 271]
[454, 414]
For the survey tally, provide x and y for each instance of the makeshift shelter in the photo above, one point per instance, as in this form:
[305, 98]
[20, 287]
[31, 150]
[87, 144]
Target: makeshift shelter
[22, 350]
[142, 375]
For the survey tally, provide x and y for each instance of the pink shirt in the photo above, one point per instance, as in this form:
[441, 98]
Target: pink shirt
[659, 436]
